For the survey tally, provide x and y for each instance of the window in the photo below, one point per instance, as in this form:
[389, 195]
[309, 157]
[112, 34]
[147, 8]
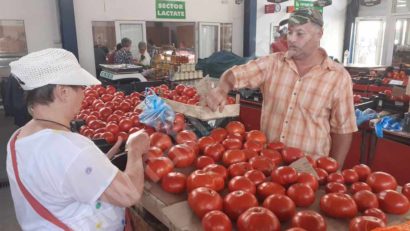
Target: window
[209, 34]
[226, 36]
[134, 30]
[368, 44]
[401, 49]
[12, 38]
[401, 6]
[104, 41]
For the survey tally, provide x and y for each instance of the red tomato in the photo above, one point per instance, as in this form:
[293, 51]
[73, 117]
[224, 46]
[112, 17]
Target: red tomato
[281, 205]
[105, 112]
[182, 155]
[230, 100]
[193, 145]
[256, 135]
[118, 112]
[202, 178]
[359, 186]
[365, 200]
[255, 176]
[216, 168]
[350, 176]
[327, 163]
[237, 202]
[125, 106]
[153, 152]
[125, 124]
[235, 136]
[174, 182]
[272, 154]
[235, 127]
[338, 205]
[109, 137]
[284, 175]
[186, 135]
[290, 154]
[263, 164]
[239, 169]
[233, 156]
[362, 223]
[189, 92]
[249, 153]
[309, 220]
[203, 161]
[160, 140]
[106, 97]
[219, 134]
[258, 218]
[205, 141]
[203, 200]
[406, 190]
[110, 89]
[268, 188]
[216, 221]
[301, 194]
[335, 187]
[296, 229]
[113, 128]
[308, 179]
[322, 174]
[380, 181]
[336, 177]
[113, 118]
[376, 213]
[278, 146]
[393, 202]
[241, 183]
[363, 171]
[253, 145]
[158, 167]
[232, 143]
[179, 89]
[136, 129]
[215, 151]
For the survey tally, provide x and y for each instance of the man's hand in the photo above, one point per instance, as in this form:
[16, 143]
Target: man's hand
[137, 143]
[216, 98]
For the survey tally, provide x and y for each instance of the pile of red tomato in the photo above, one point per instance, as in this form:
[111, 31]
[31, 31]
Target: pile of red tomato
[240, 179]
[109, 114]
[184, 94]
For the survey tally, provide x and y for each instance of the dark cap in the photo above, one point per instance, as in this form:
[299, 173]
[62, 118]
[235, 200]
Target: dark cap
[305, 15]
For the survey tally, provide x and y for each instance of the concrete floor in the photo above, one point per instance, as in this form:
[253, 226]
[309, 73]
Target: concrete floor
[8, 220]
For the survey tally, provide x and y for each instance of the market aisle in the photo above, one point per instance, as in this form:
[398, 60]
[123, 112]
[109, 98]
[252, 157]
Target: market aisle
[8, 220]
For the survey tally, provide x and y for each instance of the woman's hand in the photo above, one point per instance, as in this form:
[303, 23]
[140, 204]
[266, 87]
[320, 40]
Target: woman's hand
[137, 143]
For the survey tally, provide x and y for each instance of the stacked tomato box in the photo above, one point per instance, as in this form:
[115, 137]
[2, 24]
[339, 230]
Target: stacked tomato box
[242, 181]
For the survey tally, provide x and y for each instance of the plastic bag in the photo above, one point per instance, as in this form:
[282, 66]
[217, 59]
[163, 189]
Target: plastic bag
[366, 115]
[156, 112]
[387, 123]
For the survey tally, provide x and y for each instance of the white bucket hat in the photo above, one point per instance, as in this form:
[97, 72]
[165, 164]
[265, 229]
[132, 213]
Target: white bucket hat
[50, 66]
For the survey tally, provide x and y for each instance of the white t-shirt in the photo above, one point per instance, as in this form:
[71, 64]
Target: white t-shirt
[147, 59]
[67, 174]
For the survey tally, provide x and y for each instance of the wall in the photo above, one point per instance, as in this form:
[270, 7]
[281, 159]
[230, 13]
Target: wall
[40, 20]
[107, 10]
[334, 18]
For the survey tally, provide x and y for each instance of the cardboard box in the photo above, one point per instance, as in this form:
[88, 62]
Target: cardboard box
[203, 113]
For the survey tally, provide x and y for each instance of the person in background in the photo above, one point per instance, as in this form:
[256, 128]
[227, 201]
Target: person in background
[307, 97]
[281, 44]
[110, 56]
[60, 180]
[100, 54]
[143, 58]
[124, 55]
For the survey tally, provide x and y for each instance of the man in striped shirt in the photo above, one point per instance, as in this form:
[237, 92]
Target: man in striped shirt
[307, 97]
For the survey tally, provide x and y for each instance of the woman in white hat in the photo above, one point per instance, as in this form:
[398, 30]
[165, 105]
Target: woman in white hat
[60, 180]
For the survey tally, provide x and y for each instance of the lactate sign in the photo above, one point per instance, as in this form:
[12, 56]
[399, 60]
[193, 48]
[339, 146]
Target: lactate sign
[170, 9]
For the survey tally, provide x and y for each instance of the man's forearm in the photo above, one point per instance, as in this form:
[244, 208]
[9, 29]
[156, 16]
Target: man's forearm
[227, 82]
[340, 146]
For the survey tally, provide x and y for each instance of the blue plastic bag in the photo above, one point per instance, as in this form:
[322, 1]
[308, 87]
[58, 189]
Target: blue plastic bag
[157, 113]
[387, 123]
[363, 116]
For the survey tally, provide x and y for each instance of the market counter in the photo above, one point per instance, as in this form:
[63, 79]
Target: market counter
[174, 212]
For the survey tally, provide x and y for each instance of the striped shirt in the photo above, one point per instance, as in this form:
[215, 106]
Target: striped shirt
[300, 111]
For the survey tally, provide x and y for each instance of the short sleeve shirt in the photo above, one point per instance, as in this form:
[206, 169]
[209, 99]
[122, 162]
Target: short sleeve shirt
[67, 174]
[123, 57]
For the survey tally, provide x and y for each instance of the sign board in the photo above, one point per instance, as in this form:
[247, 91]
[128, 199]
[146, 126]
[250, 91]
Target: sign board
[272, 8]
[277, 1]
[172, 9]
[300, 4]
[370, 2]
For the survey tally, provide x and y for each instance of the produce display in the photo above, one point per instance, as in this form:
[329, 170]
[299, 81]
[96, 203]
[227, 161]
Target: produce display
[235, 178]
[239, 180]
